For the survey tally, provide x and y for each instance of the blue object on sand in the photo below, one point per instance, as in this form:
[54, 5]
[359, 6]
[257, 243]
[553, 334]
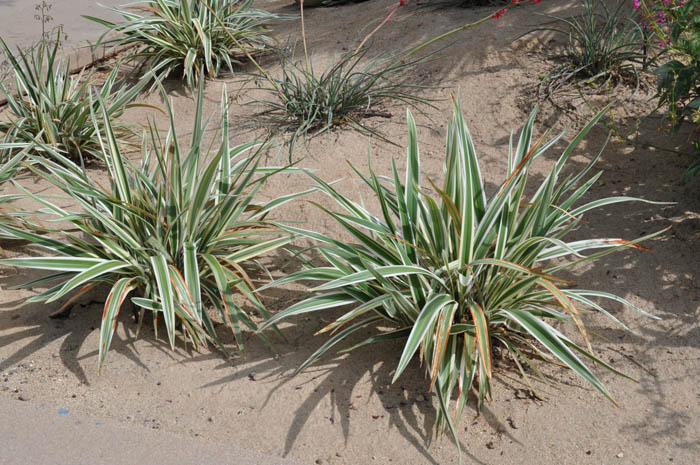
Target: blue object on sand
[62, 411]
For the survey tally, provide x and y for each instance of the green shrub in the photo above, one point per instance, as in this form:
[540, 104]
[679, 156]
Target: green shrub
[176, 232]
[305, 101]
[190, 37]
[52, 106]
[603, 42]
[676, 24]
[456, 272]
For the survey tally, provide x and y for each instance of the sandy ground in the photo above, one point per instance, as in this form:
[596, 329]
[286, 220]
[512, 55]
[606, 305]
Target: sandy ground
[38, 434]
[343, 410]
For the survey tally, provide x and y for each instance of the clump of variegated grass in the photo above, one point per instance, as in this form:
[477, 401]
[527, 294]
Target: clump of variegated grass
[54, 107]
[304, 101]
[604, 43]
[175, 233]
[190, 37]
[458, 272]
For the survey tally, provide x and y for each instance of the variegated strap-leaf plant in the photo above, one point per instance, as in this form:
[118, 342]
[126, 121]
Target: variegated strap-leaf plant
[53, 105]
[192, 37]
[457, 271]
[175, 234]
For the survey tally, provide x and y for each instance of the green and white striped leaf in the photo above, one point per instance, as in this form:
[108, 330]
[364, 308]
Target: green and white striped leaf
[165, 293]
[114, 302]
[421, 329]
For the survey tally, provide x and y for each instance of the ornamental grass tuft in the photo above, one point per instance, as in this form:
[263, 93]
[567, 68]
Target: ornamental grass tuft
[176, 233]
[456, 272]
[604, 43]
[51, 105]
[190, 37]
[306, 102]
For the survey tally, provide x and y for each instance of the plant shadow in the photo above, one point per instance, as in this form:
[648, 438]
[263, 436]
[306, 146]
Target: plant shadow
[343, 385]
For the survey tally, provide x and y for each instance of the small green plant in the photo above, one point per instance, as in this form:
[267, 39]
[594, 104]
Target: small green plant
[54, 107]
[43, 16]
[603, 43]
[457, 273]
[306, 102]
[676, 24]
[177, 232]
[190, 37]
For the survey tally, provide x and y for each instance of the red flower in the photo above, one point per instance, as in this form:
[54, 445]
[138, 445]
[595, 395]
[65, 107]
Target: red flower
[499, 13]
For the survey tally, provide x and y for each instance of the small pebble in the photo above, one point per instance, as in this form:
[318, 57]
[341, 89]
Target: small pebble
[620, 455]
[23, 398]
